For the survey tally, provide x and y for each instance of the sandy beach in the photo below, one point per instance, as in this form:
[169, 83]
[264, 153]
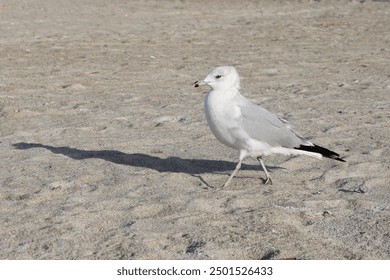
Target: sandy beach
[106, 153]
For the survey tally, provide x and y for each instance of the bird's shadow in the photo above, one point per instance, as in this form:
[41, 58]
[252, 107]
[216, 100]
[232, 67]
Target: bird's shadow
[170, 164]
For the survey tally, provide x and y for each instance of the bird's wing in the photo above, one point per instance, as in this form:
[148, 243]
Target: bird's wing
[262, 125]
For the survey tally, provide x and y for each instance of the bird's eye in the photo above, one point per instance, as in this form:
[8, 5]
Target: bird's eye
[218, 76]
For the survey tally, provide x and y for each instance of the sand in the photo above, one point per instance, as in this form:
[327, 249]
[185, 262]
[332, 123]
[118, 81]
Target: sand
[106, 153]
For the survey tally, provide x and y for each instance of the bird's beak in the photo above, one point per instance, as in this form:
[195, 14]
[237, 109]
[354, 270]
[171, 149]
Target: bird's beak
[199, 83]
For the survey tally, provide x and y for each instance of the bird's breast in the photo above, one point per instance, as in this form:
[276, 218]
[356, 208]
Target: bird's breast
[223, 119]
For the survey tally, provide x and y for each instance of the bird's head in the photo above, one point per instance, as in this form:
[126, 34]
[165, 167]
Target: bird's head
[221, 78]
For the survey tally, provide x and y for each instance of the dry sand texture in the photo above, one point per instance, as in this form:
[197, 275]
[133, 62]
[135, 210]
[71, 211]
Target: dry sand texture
[105, 151]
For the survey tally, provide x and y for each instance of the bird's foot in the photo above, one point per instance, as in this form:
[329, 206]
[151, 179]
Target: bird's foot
[268, 181]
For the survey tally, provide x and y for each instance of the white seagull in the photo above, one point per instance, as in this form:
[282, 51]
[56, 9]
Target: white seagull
[249, 128]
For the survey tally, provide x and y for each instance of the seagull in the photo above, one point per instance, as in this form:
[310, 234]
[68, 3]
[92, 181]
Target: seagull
[252, 130]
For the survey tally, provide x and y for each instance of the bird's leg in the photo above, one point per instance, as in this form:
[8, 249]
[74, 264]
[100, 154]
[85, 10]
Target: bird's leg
[233, 174]
[268, 180]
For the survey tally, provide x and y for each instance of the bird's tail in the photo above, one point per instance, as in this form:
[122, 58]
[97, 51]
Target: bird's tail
[320, 150]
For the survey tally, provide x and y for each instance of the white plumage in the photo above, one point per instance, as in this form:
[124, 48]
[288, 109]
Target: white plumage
[247, 127]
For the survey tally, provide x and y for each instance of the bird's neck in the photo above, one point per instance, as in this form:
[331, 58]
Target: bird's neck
[228, 88]
[225, 93]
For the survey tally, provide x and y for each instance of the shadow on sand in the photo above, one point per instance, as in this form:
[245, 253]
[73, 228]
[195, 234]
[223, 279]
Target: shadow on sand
[170, 164]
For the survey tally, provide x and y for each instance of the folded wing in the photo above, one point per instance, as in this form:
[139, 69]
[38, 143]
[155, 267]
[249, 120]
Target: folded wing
[264, 126]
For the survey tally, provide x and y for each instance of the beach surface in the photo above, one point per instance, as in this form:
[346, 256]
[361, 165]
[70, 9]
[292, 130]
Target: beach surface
[105, 150]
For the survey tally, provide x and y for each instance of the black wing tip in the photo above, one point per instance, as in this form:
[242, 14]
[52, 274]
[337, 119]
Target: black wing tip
[337, 158]
[321, 150]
